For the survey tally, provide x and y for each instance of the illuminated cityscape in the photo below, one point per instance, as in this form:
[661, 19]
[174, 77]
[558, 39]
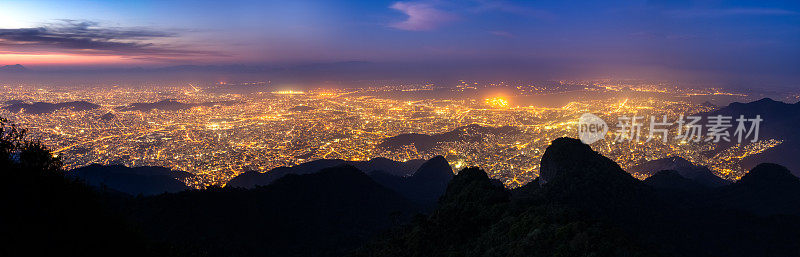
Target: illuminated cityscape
[217, 132]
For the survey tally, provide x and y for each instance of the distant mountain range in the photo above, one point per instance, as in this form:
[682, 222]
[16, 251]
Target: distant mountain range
[13, 68]
[42, 107]
[780, 121]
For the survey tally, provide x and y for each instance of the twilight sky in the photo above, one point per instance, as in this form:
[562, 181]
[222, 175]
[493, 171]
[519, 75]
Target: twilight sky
[712, 37]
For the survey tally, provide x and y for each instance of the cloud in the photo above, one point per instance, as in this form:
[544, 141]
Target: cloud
[421, 16]
[89, 38]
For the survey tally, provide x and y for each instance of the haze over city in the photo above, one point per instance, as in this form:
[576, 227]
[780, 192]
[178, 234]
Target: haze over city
[400, 128]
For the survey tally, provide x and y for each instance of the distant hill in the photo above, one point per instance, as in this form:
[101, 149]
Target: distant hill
[423, 142]
[133, 181]
[699, 174]
[42, 107]
[251, 179]
[13, 68]
[170, 105]
[322, 214]
[781, 121]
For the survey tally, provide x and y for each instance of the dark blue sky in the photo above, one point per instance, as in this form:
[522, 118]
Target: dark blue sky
[658, 38]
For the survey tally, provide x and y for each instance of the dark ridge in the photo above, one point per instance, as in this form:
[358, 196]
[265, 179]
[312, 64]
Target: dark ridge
[322, 214]
[250, 179]
[672, 180]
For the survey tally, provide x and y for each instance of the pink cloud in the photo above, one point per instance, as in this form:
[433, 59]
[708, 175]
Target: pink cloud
[421, 16]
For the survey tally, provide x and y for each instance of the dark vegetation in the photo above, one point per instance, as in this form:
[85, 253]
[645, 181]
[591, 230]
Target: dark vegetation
[583, 204]
[46, 214]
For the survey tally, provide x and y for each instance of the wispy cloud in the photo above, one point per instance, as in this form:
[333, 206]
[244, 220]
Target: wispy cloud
[89, 38]
[421, 16]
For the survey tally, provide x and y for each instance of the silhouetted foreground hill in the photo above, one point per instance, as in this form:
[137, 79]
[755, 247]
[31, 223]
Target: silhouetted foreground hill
[321, 214]
[584, 204]
[251, 179]
[46, 214]
[133, 181]
[419, 181]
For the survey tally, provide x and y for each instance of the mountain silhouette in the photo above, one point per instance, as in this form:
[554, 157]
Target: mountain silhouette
[13, 68]
[768, 189]
[672, 180]
[584, 204]
[425, 186]
[699, 174]
[321, 214]
[42, 107]
[133, 181]
[250, 179]
[780, 121]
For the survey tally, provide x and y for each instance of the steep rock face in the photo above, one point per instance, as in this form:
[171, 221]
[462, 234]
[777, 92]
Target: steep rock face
[574, 175]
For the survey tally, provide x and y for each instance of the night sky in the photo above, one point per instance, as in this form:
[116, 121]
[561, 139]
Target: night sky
[733, 39]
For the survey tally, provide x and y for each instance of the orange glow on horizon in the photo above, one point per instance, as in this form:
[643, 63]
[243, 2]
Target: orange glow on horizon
[63, 59]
